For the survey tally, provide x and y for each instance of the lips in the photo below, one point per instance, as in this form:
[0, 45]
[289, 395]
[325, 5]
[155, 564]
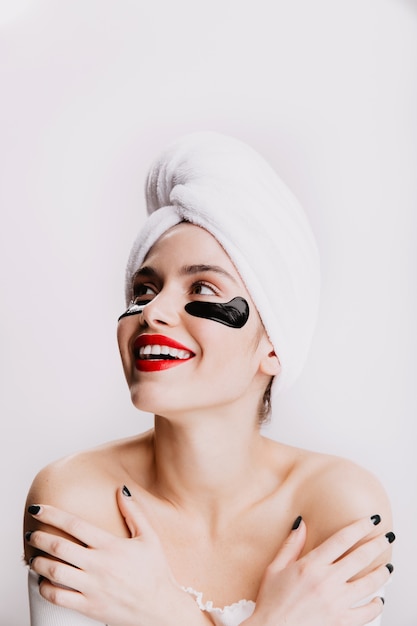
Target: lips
[154, 353]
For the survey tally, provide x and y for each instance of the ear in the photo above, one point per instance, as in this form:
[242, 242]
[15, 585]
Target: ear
[270, 363]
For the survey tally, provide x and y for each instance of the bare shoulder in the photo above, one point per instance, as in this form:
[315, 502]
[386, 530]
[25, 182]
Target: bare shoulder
[85, 483]
[330, 492]
[335, 492]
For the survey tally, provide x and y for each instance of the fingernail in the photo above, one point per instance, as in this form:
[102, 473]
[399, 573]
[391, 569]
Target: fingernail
[390, 536]
[28, 534]
[382, 599]
[297, 523]
[31, 560]
[126, 492]
[40, 579]
[390, 567]
[375, 519]
[34, 509]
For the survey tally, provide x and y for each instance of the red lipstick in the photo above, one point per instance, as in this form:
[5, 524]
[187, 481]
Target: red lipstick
[154, 353]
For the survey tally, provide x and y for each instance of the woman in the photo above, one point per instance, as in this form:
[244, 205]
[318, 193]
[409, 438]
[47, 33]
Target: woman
[204, 512]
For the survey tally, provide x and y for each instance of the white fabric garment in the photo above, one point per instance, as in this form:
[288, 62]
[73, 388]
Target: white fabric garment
[231, 615]
[224, 186]
[43, 613]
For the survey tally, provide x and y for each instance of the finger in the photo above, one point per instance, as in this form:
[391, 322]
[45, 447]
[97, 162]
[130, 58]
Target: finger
[60, 573]
[362, 557]
[292, 546]
[135, 518]
[366, 613]
[61, 596]
[370, 584]
[73, 525]
[58, 547]
[340, 542]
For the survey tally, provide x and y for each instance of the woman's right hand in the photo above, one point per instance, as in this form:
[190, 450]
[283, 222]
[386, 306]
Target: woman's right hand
[117, 580]
[317, 589]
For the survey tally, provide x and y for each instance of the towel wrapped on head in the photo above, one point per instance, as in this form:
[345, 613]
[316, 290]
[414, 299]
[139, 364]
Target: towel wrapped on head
[221, 184]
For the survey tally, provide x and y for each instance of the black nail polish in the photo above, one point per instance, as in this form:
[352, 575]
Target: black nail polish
[126, 492]
[40, 579]
[390, 567]
[297, 523]
[28, 534]
[382, 599]
[34, 509]
[390, 536]
[375, 519]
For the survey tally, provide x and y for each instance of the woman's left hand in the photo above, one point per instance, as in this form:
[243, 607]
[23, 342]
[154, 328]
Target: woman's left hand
[119, 581]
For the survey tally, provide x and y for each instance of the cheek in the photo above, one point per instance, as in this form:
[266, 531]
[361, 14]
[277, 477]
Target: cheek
[225, 347]
[121, 336]
[123, 333]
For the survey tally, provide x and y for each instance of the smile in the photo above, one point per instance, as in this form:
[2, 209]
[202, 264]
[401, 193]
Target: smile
[154, 353]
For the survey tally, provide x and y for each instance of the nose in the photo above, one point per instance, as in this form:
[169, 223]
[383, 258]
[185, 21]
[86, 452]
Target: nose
[162, 310]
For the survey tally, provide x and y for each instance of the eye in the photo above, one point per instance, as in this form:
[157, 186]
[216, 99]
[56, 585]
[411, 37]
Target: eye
[203, 289]
[142, 293]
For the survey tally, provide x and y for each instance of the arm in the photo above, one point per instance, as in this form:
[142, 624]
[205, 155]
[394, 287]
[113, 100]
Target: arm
[54, 484]
[333, 494]
[337, 493]
[323, 588]
[117, 580]
[315, 590]
[117, 563]
[280, 575]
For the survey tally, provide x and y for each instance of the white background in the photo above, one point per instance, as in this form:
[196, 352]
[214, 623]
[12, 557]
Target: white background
[91, 90]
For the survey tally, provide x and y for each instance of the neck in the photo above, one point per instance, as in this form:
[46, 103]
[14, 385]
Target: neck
[205, 460]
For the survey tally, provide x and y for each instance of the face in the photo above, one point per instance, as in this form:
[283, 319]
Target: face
[197, 342]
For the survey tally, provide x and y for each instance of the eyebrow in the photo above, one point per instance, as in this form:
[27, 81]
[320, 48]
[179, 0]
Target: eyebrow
[149, 272]
[198, 269]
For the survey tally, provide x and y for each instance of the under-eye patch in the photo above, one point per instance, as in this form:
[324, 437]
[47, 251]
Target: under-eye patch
[234, 313]
[133, 309]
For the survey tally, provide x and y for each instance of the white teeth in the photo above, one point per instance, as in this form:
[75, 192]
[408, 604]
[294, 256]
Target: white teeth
[157, 350]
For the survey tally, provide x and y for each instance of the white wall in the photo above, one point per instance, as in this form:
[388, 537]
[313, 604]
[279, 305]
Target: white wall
[90, 91]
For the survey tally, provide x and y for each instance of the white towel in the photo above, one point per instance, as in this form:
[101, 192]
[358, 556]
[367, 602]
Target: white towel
[221, 184]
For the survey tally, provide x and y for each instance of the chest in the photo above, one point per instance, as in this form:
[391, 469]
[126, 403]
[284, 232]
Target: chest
[226, 565]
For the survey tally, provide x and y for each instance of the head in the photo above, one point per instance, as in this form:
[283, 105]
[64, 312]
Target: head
[224, 187]
[193, 296]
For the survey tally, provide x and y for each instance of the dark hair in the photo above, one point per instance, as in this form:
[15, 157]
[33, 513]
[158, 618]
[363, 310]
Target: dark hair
[265, 406]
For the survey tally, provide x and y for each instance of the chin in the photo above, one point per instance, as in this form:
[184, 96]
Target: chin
[169, 407]
[143, 402]
[177, 400]
[150, 401]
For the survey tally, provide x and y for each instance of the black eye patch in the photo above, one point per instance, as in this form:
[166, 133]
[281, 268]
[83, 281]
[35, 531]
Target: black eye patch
[133, 309]
[234, 313]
